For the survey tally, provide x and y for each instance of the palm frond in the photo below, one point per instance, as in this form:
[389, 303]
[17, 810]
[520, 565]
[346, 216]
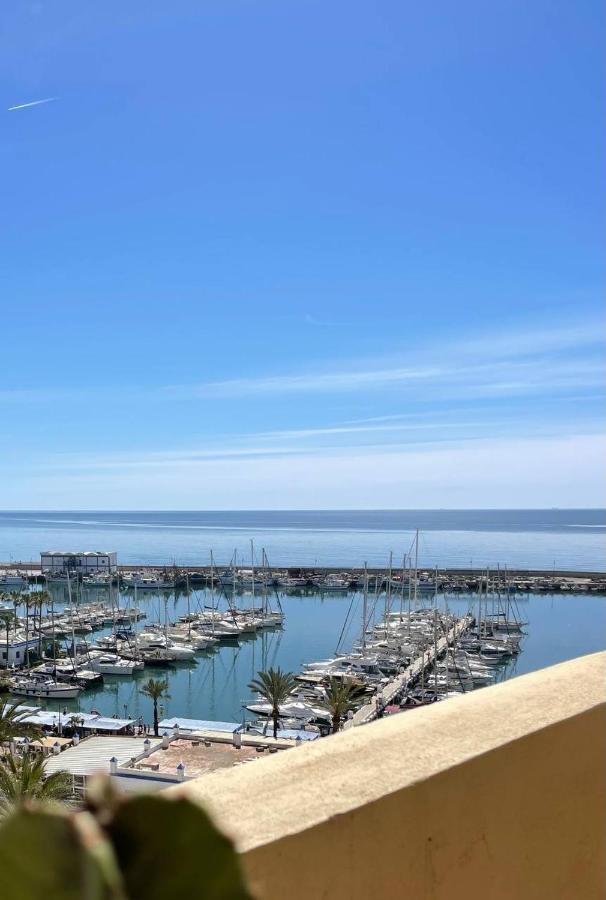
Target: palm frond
[24, 778]
[274, 684]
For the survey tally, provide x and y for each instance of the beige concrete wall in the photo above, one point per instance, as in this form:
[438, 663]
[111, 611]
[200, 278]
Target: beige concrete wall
[500, 794]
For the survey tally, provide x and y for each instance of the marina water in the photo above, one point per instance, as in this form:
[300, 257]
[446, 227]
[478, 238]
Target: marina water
[215, 686]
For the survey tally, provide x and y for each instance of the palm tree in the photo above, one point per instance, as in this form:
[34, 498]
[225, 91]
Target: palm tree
[341, 696]
[156, 690]
[37, 599]
[23, 778]
[34, 601]
[12, 724]
[7, 618]
[74, 722]
[27, 603]
[276, 686]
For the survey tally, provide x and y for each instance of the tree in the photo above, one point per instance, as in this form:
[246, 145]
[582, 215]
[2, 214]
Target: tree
[25, 599]
[156, 690]
[276, 686]
[35, 599]
[341, 696]
[23, 778]
[74, 722]
[12, 724]
[6, 618]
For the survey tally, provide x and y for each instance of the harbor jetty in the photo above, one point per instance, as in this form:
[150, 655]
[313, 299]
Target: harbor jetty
[465, 579]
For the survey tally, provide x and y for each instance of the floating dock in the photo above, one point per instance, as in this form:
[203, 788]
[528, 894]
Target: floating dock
[407, 678]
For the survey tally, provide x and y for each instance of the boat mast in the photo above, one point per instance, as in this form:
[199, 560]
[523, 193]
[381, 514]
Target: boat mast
[212, 590]
[416, 566]
[409, 592]
[69, 599]
[435, 652]
[136, 615]
[52, 633]
[402, 588]
[388, 591]
[264, 567]
[365, 606]
[252, 566]
[435, 588]
[188, 605]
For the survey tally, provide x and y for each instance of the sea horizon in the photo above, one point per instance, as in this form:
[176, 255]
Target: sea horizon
[561, 539]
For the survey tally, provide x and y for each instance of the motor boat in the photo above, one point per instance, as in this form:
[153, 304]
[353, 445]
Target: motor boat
[111, 664]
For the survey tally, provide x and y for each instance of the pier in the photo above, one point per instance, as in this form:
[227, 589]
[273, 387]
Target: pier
[449, 579]
[411, 673]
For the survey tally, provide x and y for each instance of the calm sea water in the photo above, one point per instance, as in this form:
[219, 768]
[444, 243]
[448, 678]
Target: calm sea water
[542, 539]
[560, 627]
[216, 686]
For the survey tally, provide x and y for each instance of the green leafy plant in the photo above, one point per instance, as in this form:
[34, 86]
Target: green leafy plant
[23, 778]
[12, 724]
[35, 600]
[156, 690]
[341, 696]
[145, 848]
[7, 619]
[73, 723]
[276, 686]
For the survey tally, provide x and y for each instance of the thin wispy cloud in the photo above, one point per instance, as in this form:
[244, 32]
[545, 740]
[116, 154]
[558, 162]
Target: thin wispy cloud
[534, 341]
[298, 433]
[311, 442]
[312, 383]
[32, 103]
[524, 362]
[452, 380]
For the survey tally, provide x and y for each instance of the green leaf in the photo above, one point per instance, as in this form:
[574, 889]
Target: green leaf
[170, 849]
[48, 855]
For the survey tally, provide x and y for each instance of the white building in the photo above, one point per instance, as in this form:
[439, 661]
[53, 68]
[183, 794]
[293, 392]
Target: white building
[54, 562]
[115, 756]
[13, 654]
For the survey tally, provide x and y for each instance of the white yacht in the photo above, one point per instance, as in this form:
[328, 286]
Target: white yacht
[296, 708]
[149, 640]
[44, 687]
[331, 583]
[111, 664]
[148, 583]
[188, 636]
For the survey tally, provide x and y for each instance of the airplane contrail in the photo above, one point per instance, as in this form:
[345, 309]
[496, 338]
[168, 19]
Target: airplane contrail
[32, 103]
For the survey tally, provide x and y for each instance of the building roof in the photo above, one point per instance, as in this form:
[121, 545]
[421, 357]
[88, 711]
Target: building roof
[49, 718]
[197, 725]
[94, 754]
[77, 552]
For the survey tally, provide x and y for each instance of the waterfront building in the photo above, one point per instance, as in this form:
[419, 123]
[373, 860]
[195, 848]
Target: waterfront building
[147, 763]
[13, 651]
[60, 562]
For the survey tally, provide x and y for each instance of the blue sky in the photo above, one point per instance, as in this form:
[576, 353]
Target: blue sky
[281, 255]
